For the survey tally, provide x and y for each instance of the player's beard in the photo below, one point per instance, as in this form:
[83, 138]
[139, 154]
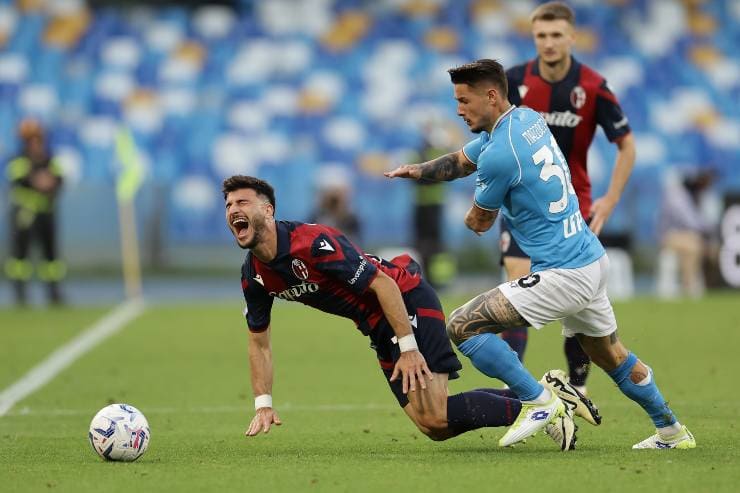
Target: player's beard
[258, 226]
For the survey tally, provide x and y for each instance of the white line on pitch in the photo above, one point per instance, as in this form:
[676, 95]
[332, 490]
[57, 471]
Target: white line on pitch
[246, 408]
[60, 359]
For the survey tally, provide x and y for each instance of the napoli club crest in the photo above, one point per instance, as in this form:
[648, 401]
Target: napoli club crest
[299, 269]
[578, 97]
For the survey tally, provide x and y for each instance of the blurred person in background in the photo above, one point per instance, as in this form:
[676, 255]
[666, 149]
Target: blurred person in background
[429, 198]
[333, 207]
[35, 180]
[573, 99]
[684, 229]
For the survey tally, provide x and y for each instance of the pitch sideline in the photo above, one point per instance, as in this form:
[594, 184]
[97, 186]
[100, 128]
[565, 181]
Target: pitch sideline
[67, 354]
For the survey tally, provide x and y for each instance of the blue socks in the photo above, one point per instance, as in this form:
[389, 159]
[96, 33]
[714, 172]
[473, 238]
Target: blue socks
[646, 393]
[473, 410]
[493, 357]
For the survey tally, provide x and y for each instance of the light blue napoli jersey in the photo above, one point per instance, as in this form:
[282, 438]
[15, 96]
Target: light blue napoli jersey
[522, 172]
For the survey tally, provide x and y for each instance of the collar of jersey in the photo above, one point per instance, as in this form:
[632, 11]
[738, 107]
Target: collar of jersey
[501, 118]
[574, 66]
[283, 241]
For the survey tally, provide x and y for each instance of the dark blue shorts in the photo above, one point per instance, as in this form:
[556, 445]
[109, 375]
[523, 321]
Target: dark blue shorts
[428, 321]
[507, 244]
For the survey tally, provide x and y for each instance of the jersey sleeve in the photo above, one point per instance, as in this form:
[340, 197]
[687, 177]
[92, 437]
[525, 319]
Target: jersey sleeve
[495, 178]
[609, 114]
[473, 149]
[259, 303]
[335, 256]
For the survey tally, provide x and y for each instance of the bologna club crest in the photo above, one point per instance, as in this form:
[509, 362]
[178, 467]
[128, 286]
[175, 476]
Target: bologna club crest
[299, 269]
[578, 97]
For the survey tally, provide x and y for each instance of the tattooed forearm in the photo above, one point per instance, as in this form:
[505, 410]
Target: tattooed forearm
[488, 312]
[445, 168]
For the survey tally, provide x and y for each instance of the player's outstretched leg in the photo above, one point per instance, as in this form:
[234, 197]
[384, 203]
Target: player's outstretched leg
[636, 381]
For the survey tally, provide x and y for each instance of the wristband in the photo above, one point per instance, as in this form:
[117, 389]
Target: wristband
[264, 400]
[407, 343]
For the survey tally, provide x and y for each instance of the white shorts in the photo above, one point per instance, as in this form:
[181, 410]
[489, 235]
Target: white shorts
[577, 297]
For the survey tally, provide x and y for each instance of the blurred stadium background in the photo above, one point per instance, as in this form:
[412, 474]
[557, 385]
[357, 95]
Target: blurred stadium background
[301, 92]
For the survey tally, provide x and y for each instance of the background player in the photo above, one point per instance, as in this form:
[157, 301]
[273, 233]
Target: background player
[573, 99]
[388, 301]
[522, 172]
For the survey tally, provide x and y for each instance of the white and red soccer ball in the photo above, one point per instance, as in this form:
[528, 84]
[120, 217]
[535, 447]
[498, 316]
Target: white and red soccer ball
[119, 432]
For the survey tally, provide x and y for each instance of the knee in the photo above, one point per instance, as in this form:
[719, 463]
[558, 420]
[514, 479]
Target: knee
[434, 427]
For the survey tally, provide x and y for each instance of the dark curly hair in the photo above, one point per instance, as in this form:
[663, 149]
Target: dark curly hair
[261, 187]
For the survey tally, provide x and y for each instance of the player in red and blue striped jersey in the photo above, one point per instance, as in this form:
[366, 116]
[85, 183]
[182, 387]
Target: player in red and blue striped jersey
[388, 301]
[573, 99]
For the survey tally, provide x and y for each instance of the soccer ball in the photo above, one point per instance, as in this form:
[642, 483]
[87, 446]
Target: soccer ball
[119, 432]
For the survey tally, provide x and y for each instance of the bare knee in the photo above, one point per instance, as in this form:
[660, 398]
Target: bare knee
[433, 427]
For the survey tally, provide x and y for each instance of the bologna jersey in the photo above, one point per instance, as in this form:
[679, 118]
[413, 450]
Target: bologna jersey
[572, 107]
[522, 172]
[318, 266]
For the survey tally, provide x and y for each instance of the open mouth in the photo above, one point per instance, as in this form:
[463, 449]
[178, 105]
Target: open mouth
[240, 225]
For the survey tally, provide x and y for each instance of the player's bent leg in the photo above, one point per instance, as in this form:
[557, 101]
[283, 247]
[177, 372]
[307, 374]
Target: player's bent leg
[428, 408]
[472, 328]
[636, 381]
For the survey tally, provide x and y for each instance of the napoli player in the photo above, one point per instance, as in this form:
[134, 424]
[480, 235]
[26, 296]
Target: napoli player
[573, 99]
[388, 301]
[522, 173]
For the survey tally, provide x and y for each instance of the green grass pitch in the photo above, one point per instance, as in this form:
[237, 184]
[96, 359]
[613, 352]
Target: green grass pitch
[185, 367]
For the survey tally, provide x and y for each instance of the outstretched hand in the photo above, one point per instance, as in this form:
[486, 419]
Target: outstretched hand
[410, 367]
[404, 171]
[264, 418]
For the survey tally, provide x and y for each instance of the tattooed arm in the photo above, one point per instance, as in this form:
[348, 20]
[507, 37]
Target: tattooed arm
[487, 312]
[445, 168]
[480, 220]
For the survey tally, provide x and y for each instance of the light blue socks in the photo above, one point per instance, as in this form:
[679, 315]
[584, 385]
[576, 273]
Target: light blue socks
[493, 357]
[645, 393]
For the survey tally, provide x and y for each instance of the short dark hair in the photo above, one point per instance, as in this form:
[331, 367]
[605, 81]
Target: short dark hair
[483, 70]
[261, 187]
[552, 11]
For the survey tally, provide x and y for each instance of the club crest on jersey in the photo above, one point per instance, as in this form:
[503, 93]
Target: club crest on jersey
[578, 97]
[299, 269]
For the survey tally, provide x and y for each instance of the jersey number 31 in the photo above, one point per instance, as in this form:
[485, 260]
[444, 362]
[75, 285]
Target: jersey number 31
[554, 165]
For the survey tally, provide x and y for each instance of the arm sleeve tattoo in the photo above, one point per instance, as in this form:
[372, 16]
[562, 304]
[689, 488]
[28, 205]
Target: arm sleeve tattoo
[446, 168]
